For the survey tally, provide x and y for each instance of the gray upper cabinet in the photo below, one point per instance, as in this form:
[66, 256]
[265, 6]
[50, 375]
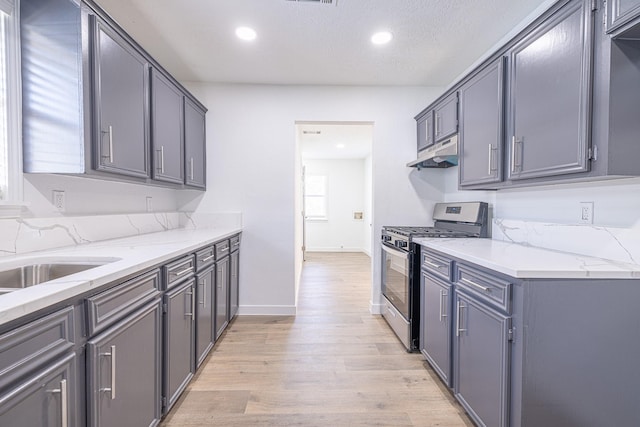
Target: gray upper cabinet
[481, 127]
[620, 12]
[445, 116]
[166, 129]
[194, 144]
[425, 131]
[549, 100]
[120, 100]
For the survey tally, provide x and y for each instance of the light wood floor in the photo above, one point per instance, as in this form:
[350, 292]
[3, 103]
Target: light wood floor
[333, 364]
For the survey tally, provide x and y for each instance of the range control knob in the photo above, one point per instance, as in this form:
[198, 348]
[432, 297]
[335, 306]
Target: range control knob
[401, 243]
[386, 238]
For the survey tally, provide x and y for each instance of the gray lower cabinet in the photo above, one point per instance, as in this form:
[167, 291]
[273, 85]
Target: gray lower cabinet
[435, 330]
[120, 101]
[166, 129]
[222, 295]
[179, 341]
[205, 309]
[481, 127]
[46, 398]
[234, 284]
[194, 144]
[620, 12]
[550, 92]
[123, 365]
[482, 361]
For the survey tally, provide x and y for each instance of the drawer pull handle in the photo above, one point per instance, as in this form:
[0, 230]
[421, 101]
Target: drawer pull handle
[459, 319]
[183, 272]
[64, 402]
[112, 389]
[210, 257]
[438, 266]
[474, 284]
[224, 249]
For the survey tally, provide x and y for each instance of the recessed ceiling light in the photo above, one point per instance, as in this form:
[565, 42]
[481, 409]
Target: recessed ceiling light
[340, 145]
[246, 33]
[382, 37]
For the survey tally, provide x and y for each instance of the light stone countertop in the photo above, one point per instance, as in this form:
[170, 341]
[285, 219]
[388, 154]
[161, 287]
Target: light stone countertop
[527, 262]
[131, 254]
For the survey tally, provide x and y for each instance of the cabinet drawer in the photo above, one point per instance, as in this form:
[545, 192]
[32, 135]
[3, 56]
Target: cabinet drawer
[436, 264]
[179, 270]
[205, 257]
[34, 344]
[222, 249]
[110, 306]
[235, 243]
[488, 288]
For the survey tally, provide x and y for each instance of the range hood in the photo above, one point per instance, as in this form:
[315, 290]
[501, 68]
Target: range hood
[441, 155]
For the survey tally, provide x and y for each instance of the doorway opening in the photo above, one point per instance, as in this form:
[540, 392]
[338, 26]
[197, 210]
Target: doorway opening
[334, 188]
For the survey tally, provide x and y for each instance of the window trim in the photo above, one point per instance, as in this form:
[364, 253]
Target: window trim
[13, 200]
[317, 218]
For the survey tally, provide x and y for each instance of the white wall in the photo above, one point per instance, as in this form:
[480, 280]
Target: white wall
[251, 156]
[340, 232]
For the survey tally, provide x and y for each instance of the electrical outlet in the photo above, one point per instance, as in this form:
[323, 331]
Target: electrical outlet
[586, 212]
[149, 204]
[58, 200]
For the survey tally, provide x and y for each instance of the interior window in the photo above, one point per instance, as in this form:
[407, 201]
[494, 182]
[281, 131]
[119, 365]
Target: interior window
[315, 197]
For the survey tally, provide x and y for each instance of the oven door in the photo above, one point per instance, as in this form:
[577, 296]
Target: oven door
[396, 278]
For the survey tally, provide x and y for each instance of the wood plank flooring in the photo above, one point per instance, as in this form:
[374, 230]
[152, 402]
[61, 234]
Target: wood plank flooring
[334, 364]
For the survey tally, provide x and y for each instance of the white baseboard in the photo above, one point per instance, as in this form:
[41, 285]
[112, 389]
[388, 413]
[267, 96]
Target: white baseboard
[335, 250]
[375, 308]
[267, 310]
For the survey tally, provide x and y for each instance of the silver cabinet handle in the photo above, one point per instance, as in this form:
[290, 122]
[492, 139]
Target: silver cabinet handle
[210, 257]
[110, 144]
[443, 313]
[458, 319]
[438, 266]
[474, 284]
[513, 153]
[182, 272]
[161, 151]
[437, 125]
[191, 164]
[112, 389]
[224, 249]
[204, 293]
[64, 402]
[193, 304]
[490, 159]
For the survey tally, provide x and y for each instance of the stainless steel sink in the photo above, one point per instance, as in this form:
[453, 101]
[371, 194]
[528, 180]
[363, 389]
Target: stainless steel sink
[35, 274]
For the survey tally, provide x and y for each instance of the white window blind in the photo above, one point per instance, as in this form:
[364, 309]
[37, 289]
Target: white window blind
[315, 197]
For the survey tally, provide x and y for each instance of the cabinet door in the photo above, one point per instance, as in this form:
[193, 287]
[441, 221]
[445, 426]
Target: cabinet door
[120, 98]
[194, 144]
[481, 127]
[482, 361]
[123, 364]
[435, 331]
[46, 398]
[446, 118]
[179, 359]
[425, 131]
[619, 12]
[550, 87]
[222, 295]
[166, 129]
[205, 310]
[234, 285]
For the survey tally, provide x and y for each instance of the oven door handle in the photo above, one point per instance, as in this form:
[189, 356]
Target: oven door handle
[395, 252]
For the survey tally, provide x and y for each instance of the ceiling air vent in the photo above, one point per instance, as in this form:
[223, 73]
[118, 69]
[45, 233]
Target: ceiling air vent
[317, 1]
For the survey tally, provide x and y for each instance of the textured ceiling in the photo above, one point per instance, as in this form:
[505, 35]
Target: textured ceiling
[312, 43]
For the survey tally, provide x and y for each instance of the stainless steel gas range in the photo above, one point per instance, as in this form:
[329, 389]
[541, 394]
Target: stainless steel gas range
[401, 262]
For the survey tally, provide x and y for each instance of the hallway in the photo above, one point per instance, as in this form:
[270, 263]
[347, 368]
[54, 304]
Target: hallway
[333, 364]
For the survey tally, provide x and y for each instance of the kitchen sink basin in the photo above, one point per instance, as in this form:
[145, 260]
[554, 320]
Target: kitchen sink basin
[37, 273]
